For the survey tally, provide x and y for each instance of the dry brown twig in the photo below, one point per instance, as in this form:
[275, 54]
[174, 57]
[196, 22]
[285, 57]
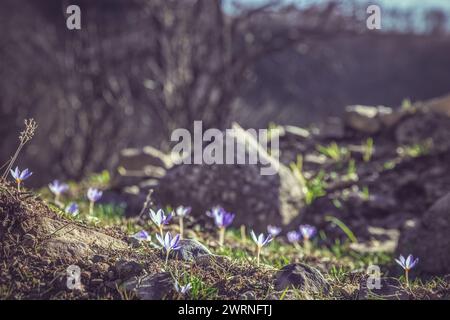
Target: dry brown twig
[25, 136]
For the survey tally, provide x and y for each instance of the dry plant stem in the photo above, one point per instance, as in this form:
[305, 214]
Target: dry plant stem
[25, 136]
[13, 159]
[148, 201]
[221, 236]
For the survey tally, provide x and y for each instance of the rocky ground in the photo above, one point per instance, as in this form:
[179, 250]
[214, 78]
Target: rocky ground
[376, 184]
[39, 243]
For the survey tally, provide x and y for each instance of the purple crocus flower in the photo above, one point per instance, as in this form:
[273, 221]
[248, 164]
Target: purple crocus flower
[168, 243]
[293, 236]
[214, 211]
[261, 240]
[72, 209]
[182, 211]
[407, 264]
[20, 176]
[142, 236]
[182, 289]
[160, 219]
[307, 231]
[94, 194]
[273, 230]
[58, 188]
[221, 217]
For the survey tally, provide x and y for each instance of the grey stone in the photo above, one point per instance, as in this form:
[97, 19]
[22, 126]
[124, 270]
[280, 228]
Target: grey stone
[256, 199]
[150, 287]
[371, 120]
[301, 276]
[363, 118]
[248, 295]
[190, 250]
[99, 258]
[429, 239]
[135, 165]
[127, 269]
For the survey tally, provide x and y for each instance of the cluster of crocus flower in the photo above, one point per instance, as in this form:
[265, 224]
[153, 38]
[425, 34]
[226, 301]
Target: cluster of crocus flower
[260, 242]
[93, 195]
[222, 219]
[20, 176]
[58, 188]
[407, 264]
[170, 243]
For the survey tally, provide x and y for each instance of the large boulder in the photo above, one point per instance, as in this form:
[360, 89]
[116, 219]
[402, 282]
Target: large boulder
[429, 239]
[256, 199]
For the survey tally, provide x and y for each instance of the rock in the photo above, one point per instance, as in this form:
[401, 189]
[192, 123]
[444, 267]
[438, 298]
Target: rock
[127, 269]
[150, 287]
[240, 188]
[133, 242]
[190, 250]
[301, 276]
[370, 120]
[389, 289]
[70, 241]
[101, 268]
[381, 240]
[429, 239]
[248, 295]
[135, 165]
[136, 159]
[99, 258]
[416, 130]
[439, 105]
